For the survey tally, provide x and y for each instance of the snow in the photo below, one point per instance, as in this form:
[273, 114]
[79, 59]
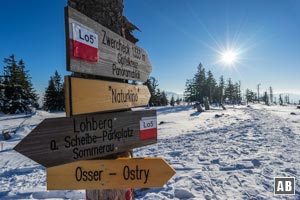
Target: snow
[217, 154]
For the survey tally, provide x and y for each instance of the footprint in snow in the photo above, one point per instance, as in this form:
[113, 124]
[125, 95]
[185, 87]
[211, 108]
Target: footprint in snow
[183, 194]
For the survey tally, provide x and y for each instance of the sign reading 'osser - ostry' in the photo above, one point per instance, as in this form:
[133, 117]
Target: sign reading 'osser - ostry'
[110, 174]
[94, 49]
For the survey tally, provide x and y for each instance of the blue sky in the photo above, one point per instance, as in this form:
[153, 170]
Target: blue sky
[177, 35]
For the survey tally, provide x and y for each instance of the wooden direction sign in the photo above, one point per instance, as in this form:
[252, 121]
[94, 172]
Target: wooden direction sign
[94, 49]
[110, 174]
[56, 141]
[88, 96]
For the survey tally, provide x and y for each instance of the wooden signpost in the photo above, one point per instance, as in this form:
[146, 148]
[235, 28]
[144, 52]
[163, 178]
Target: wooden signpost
[109, 174]
[61, 144]
[57, 141]
[96, 50]
[88, 95]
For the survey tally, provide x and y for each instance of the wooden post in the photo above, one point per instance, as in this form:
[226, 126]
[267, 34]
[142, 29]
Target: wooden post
[120, 194]
[206, 103]
[110, 14]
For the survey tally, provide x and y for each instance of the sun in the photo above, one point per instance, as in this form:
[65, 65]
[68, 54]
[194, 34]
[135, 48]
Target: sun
[229, 57]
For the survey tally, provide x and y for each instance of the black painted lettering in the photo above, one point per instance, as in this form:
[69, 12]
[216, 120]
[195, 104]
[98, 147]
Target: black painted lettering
[86, 38]
[80, 35]
[92, 39]
[68, 143]
[78, 173]
[126, 172]
[91, 175]
[136, 174]
[74, 126]
[104, 37]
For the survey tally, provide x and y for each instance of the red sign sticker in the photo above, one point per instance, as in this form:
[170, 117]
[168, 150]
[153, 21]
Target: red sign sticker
[148, 128]
[84, 43]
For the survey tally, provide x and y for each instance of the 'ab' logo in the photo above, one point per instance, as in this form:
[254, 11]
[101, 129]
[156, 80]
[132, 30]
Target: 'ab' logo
[284, 185]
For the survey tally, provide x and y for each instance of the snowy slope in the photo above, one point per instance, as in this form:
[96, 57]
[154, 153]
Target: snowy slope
[234, 155]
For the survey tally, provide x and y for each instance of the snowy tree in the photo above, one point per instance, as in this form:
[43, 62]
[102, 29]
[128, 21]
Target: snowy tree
[164, 99]
[178, 101]
[157, 98]
[266, 98]
[210, 87]
[152, 85]
[54, 95]
[271, 95]
[250, 96]
[221, 88]
[287, 99]
[19, 95]
[189, 92]
[280, 100]
[1, 93]
[172, 102]
[200, 81]
[229, 91]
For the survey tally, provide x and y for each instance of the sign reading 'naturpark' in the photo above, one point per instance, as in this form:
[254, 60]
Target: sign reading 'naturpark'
[94, 49]
[110, 174]
[57, 141]
[88, 95]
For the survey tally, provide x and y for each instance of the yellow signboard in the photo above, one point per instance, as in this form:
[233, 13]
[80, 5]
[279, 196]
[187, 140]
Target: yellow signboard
[110, 174]
[88, 95]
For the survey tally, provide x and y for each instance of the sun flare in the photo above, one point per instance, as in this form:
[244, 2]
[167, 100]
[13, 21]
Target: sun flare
[229, 57]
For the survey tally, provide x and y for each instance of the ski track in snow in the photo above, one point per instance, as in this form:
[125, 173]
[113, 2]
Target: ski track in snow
[234, 155]
[236, 161]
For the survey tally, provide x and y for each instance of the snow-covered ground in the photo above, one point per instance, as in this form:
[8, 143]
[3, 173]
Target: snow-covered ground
[230, 154]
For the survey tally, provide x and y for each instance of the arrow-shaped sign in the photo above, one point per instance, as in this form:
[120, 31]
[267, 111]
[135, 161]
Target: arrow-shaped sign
[57, 141]
[110, 174]
[88, 96]
[96, 50]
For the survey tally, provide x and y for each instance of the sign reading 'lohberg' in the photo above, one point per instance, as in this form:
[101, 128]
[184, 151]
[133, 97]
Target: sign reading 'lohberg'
[110, 174]
[57, 141]
[88, 95]
[94, 49]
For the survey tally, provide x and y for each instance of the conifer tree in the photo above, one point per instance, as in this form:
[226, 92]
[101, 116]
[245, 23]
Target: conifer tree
[250, 96]
[54, 94]
[266, 98]
[237, 97]
[152, 85]
[200, 81]
[177, 101]
[210, 87]
[229, 91]
[1, 93]
[221, 88]
[189, 92]
[280, 100]
[271, 95]
[172, 102]
[164, 99]
[19, 95]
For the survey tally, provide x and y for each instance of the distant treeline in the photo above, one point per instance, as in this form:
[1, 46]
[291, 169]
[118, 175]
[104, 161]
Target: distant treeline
[204, 85]
[158, 98]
